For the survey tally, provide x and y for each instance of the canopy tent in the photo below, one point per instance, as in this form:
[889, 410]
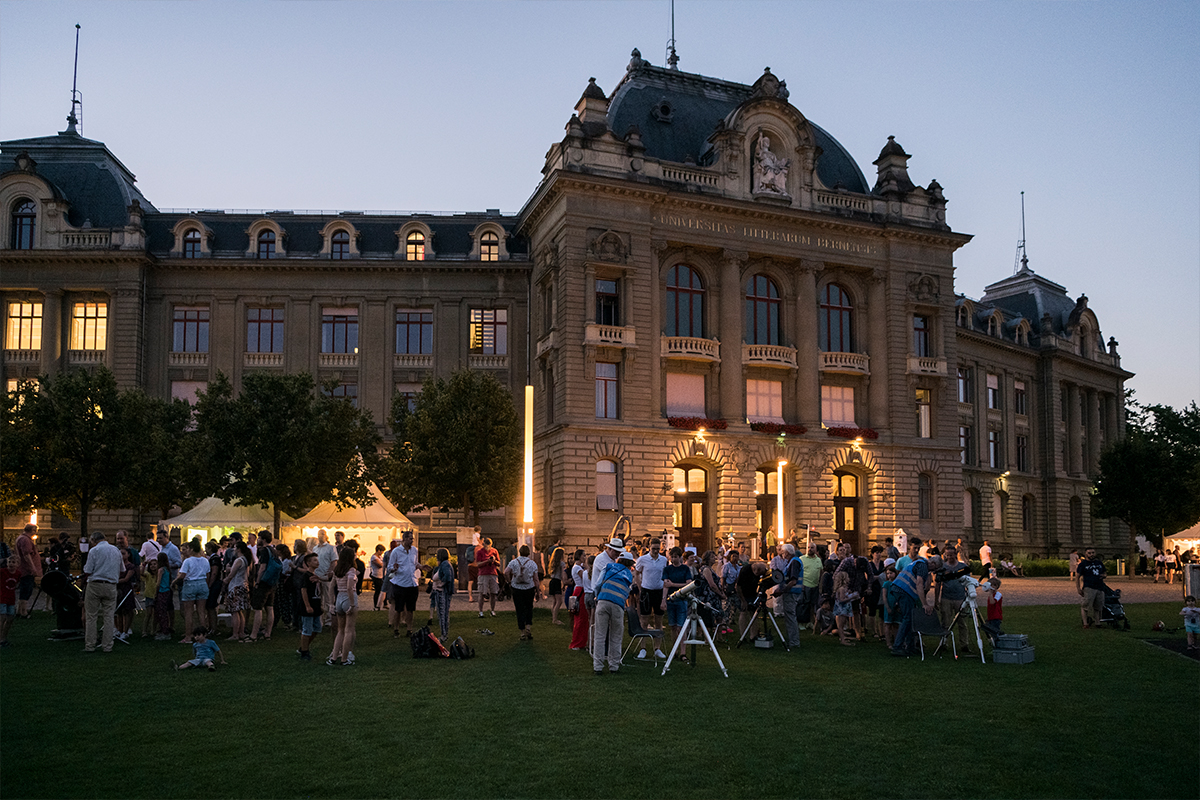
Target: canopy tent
[1185, 540]
[212, 516]
[376, 523]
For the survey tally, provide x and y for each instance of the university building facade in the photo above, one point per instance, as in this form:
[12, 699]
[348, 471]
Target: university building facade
[711, 302]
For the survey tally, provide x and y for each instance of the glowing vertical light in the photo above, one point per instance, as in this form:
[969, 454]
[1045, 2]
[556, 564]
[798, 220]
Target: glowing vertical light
[529, 455]
[780, 533]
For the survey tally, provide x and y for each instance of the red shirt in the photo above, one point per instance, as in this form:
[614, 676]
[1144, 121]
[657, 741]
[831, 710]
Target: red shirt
[27, 552]
[995, 609]
[9, 578]
[482, 556]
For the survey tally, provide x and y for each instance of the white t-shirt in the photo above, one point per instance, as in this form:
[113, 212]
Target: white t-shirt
[581, 577]
[150, 550]
[195, 568]
[985, 555]
[602, 561]
[403, 566]
[651, 570]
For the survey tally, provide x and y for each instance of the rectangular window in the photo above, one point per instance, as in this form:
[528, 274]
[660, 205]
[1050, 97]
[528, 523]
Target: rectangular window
[89, 326]
[339, 330]
[764, 401]
[187, 391]
[837, 406]
[264, 330]
[965, 445]
[924, 497]
[685, 395]
[489, 331]
[606, 390]
[965, 385]
[993, 444]
[550, 395]
[410, 392]
[346, 391]
[924, 414]
[998, 511]
[1023, 454]
[414, 332]
[608, 303]
[1020, 402]
[190, 329]
[24, 326]
[920, 324]
[993, 391]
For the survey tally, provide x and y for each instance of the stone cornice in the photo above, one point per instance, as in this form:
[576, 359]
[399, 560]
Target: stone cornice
[14, 258]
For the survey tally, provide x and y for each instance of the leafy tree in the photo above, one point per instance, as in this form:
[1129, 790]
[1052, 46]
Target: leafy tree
[459, 447]
[157, 474]
[281, 442]
[1151, 478]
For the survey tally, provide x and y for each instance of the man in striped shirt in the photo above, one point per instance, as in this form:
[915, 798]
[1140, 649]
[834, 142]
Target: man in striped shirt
[611, 592]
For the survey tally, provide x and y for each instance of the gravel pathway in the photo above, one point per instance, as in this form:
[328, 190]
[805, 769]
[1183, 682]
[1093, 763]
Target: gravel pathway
[1061, 591]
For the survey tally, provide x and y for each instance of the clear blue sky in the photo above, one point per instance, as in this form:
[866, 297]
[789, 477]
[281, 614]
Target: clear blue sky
[1091, 108]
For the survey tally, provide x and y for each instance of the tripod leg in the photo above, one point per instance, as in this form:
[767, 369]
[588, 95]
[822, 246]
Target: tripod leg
[676, 648]
[713, 648]
[749, 626]
[782, 638]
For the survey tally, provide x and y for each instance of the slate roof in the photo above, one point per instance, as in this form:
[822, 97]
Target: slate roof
[696, 105]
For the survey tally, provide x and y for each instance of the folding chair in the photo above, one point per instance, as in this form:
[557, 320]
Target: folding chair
[925, 624]
[637, 632]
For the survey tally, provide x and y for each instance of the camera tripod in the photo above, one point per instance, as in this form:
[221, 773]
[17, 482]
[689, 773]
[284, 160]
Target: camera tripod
[687, 635]
[762, 614]
[968, 605]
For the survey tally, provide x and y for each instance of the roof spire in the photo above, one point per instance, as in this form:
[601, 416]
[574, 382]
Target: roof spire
[76, 95]
[1022, 259]
[672, 56]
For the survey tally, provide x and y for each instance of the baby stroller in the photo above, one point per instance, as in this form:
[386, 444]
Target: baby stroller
[1114, 612]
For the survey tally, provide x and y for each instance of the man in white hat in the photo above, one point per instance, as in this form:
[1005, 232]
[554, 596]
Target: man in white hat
[612, 593]
[607, 556]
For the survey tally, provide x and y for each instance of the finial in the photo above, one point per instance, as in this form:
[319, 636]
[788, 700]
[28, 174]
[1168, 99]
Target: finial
[672, 56]
[76, 97]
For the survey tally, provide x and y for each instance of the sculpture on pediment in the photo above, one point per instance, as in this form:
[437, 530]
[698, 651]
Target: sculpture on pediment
[924, 289]
[608, 246]
[770, 171]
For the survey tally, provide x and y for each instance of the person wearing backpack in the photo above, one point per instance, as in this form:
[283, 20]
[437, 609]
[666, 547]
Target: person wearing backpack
[269, 569]
[522, 573]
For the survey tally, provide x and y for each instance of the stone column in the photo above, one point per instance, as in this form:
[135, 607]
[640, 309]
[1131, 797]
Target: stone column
[1112, 429]
[53, 331]
[877, 347]
[1074, 446]
[589, 296]
[1093, 430]
[979, 407]
[808, 356]
[376, 340]
[729, 331]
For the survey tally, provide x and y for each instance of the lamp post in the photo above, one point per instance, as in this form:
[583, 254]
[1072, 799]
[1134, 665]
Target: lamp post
[779, 502]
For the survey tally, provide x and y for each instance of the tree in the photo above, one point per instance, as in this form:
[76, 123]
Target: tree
[281, 442]
[459, 447]
[1151, 478]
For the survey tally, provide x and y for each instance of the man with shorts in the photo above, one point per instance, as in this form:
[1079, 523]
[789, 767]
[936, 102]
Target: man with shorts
[403, 565]
[266, 577]
[30, 564]
[1091, 572]
[487, 559]
[648, 570]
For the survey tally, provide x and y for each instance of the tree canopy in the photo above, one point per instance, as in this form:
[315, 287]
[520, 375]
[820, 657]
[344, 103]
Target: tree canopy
[458, 447]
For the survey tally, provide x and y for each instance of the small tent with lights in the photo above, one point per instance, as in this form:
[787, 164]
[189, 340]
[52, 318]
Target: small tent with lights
[377, 522]
[212, 518]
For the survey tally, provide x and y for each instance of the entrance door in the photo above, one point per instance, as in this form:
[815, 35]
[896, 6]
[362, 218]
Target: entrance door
[766, 489]
[847, 522]
[691, 507]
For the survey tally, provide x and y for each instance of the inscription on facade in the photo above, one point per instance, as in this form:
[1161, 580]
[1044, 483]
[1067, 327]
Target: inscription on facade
[765, 234]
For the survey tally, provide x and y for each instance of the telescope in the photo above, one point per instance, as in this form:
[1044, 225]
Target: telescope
[682, 594]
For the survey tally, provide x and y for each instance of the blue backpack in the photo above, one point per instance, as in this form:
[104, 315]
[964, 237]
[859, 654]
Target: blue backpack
[271, 572]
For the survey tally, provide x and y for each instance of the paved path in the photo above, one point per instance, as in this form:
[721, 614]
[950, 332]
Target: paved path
[1061, 591]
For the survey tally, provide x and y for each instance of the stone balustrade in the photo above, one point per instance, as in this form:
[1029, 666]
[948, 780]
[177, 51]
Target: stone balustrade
[690, 348]
[769, 355]
[611, 335]
[848, 363]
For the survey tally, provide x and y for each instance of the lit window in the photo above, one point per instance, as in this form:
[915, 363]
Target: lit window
[993, 391]
[685, 303]
[24, 330]
[191, 244]
[89, 326]
[993, 443]
[190, 329]
[489, 331]
[608, 303]
[264, 330]
[606, 486]
[965, 385]
[339, 245]
[835, 317]
[924, 497]
[1020, 401]
[920, 333]
[414, 332]
[266, 244]
[339, 330]
[24, 224]
[414, 247]
[965, 445]
[924, 414]
[685, 395]
[606, 390]
[837, 406]
[764, 401]
[762, 311]
[489, 247]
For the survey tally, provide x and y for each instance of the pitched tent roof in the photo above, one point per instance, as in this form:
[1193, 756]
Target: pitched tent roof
[380, 514]
[214, 511]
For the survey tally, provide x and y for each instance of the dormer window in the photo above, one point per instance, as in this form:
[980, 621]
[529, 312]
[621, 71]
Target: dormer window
[414, 247]
[191, 244]
[994, 325]
[489, 247]
[24, 224]
[339, 245]
[266, 244]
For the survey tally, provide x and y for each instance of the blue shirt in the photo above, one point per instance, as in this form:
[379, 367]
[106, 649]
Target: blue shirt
[615, 584]
[794, 572]
[205, 650]
[174, 558]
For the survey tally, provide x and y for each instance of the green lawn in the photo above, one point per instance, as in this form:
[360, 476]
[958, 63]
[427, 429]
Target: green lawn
[1098, 714]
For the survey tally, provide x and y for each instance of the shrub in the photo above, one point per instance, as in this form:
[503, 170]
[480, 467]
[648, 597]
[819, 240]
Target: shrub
[696, 423]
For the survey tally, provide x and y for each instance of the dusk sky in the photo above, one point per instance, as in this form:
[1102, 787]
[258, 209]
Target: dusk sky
[1091, 108]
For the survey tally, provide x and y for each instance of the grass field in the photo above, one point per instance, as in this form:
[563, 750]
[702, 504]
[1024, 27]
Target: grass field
[1098, 714]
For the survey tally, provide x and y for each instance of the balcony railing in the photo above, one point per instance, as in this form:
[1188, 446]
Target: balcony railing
[263, 359]
[690, 348]
[547, 343]
[849, 363]
[611, 335]
[842, 201]
[481, 361]
[925, 365]
[87, 239]
[187, 359]
[338, 361]
[413, 361]
[22, 356]
[86, 356]
[689, 176]
[769, 355]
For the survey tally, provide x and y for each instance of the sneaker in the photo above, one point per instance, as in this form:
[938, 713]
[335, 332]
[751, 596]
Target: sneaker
[641, 654]
[162, 637]
[659, 653]
[212, 667]
[350, 657]
[493, 614]
[481, 615]
[598, 672]
[329, 662]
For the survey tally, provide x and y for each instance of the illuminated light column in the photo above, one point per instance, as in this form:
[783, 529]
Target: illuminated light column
[779, 532]
[529, 456]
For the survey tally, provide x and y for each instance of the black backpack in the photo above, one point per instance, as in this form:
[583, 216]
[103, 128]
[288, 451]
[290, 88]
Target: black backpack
[460, 650]
[424, 644]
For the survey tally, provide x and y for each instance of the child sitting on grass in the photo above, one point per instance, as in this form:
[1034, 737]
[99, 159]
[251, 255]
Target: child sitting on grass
[826, 624]
[204, 650]
[1191, 620]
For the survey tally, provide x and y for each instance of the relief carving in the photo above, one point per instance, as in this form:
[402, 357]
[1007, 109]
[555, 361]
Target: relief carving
[924, 289]
[770, 171]
[608, 246]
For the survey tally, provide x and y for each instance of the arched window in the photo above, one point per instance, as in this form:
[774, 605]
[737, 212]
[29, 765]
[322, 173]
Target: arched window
[489, 247]
[24, 222]
[836, 318]
[846, 492]
[685, 303]
[999, 506]
[606, 486]
[766, 503]
[690, 513]
[414, 247]
[191, 244]
[762, 311]
[266, 244]
[964, 317]
[339, 245]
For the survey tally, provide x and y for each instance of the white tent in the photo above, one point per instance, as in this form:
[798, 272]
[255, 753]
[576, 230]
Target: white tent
[210, 518]
[1185, 540]
[376, 523]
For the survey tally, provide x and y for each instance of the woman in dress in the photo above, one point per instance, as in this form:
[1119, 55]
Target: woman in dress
[558, 569]
[285, 597]
[709, 591]
[582, 577]
[345, 611]
[843, 605]
[377, 576]
[237, 595]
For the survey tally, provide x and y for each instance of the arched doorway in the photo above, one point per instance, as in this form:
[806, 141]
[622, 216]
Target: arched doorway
[766, 492]
[690, 515]
[847, 520]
